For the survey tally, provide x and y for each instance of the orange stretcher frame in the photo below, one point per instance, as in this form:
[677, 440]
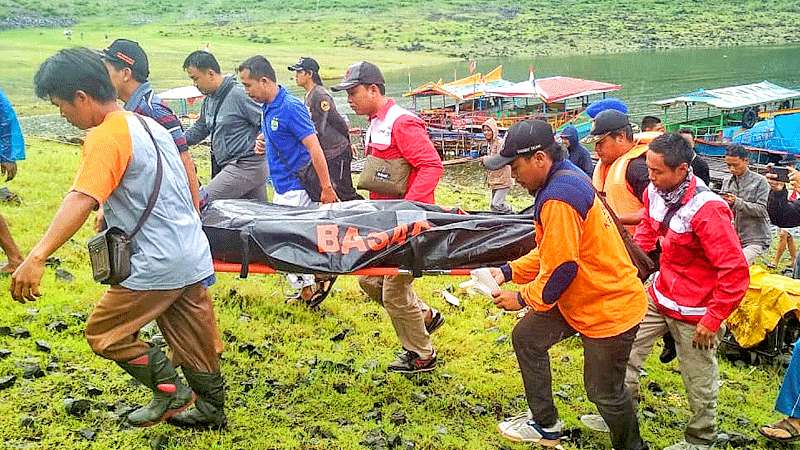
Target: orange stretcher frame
[263, 269]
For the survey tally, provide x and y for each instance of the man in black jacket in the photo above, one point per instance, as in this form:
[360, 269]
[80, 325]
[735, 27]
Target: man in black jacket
[782, 212]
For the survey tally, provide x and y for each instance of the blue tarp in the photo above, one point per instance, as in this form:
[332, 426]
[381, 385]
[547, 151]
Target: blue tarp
[781, 134]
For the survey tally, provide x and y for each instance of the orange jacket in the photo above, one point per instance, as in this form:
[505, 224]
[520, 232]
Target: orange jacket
[610, 179]
[580, 263]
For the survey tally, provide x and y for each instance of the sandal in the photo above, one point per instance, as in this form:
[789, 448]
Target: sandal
[785, 425]
[314, 295]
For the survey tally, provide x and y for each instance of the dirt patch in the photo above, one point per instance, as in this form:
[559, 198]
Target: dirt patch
[51, 126]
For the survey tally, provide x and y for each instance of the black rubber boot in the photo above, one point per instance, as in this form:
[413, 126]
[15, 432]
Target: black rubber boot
[670, 352]
[209, 408]
[170, 395]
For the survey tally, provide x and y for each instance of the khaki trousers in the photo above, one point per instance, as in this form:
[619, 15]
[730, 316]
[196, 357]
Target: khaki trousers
[185, 317]
[698, 369]
[405, 309]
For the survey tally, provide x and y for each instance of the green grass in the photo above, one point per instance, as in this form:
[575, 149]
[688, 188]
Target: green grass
[283, 399]
[393, 34]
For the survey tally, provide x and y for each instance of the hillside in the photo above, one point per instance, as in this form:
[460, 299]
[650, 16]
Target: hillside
[394, 34]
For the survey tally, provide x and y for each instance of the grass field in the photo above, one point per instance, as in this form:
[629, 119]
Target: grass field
[395, 35]
[290, 385]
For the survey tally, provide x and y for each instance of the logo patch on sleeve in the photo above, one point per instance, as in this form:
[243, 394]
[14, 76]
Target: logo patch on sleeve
[325, 106]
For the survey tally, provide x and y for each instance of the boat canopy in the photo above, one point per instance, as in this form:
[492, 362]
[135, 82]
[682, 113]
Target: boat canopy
[553, 89]
[470, 87]
[181, 93]
[735, 97]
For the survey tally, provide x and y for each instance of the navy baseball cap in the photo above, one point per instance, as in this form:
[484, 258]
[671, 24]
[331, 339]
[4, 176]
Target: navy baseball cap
[361, 72]
[128, 53]
[605, 123]
[524, 137]
[305, 63]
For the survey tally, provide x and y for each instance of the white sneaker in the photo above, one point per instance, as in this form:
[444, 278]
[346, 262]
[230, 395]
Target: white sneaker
[522, 428]
[595, 422]
[683, 445]
[513, 422]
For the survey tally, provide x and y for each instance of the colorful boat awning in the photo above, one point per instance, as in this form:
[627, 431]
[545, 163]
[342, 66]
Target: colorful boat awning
[554, 89]
[473, 86]
[736, 97]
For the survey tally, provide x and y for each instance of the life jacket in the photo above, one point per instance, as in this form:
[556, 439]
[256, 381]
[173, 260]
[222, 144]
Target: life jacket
[619, 194]
[379, 132]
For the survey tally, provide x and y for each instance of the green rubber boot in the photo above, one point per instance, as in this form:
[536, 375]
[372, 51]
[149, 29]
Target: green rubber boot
[170, 395]
[209, 408]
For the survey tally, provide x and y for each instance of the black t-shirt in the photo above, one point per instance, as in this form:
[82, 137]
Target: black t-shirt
[701, 170]
[637, 176]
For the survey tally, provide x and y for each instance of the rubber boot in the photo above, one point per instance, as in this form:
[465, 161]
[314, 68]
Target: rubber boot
[670, 352]
[209, 408]
[170, 395]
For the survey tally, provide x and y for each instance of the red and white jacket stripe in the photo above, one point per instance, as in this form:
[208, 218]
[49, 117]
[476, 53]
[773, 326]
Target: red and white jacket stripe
[703, 273]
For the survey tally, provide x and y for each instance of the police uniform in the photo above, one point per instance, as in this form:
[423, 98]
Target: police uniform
[334, 138]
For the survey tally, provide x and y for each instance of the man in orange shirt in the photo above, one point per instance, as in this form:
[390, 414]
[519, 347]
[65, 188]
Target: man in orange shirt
[126, 160]
[578, 279]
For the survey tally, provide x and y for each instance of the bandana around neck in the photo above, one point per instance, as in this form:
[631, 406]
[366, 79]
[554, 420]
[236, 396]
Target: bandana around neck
[673, 198]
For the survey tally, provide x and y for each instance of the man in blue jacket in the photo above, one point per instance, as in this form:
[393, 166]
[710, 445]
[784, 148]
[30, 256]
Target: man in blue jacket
[577, 153]
[12, 149]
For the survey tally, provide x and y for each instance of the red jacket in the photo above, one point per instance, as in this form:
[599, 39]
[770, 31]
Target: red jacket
[409, 140]
[703, 274]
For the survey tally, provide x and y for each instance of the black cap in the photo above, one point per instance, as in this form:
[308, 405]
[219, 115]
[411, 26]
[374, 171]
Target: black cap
[606, 122]
[130, 54]
[305, 63]
[523, 137]
[361, 72]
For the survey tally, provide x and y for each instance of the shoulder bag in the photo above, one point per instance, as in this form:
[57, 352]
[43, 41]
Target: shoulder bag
[110, 250]
[385, 176]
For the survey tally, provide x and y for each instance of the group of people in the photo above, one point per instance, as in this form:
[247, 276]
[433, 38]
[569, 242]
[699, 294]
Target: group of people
[138, 151]
[579, 280]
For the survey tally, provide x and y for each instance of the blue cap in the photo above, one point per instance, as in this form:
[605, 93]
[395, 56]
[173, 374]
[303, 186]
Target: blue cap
[607, 103]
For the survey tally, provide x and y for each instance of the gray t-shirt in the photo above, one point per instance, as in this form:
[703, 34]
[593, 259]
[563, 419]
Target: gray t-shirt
[118, 169]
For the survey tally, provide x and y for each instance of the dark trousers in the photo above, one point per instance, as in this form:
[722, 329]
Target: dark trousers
[604, 367]
[341, 177]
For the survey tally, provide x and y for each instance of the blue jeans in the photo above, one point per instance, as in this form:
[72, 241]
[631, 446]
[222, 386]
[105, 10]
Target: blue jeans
[788, 401]
[796, 273]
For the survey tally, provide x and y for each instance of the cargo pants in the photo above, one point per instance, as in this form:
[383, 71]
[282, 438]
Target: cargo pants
[405, 309]
[185, 317]
[698, 369]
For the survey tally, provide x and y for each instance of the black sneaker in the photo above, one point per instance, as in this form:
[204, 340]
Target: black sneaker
[437, 320]
[410, 362]
[670, 352]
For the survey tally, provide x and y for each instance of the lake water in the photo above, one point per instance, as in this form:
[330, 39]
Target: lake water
[645, 76]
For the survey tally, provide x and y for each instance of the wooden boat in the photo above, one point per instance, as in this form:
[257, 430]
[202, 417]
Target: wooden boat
[717, 116]
[455, 127]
